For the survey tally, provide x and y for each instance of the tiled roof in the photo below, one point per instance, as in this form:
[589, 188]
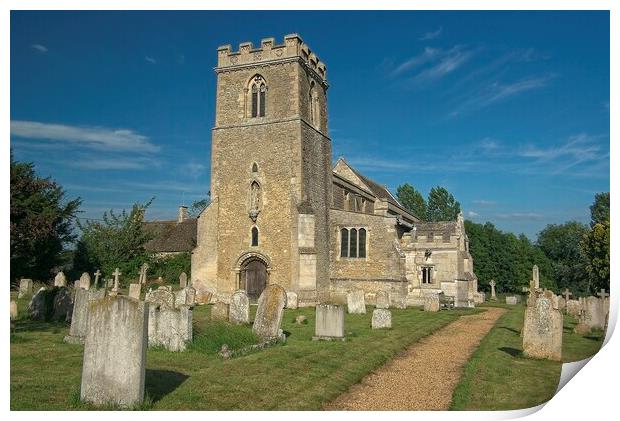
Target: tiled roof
[171, 236]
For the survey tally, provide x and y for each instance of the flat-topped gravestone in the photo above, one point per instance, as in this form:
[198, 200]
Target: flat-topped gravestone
[431, 303]
[79, 316]
[594, 313]
[291, 300]
[161, 297]
[186, 297]
[382, 300]
[219, 312]
[183, 280]
[239, 312]
[60, 280]
[85, 281]
[398, 300]
[381, 319]
[135, 290]
[511, 300]
[13, 309]
[329, 322]
[269, 313]
[542, 330]
[356, 303]
[115, 346]
[573, 307]
[479, 297]
[170, 327]
[25, 287]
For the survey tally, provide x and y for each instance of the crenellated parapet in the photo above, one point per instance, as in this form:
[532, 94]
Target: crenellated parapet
[293, 48]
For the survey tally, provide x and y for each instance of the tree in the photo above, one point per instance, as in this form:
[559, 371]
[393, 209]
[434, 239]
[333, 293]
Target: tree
[412, 200]
[595, 244]
[198, 206]
[441, 205]
[599, 211]
[116, 241]
[42, 222]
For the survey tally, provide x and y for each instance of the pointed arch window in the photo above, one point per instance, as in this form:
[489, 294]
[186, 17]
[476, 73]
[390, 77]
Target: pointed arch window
[258, 94]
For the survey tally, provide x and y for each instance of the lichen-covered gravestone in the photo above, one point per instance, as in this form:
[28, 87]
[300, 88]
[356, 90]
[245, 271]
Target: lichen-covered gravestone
[595, 313]
[63, 305]
[355, 302]
[79, 316]
[329, 322]
[511, 300]
[85, 281]
[114, 364]
[170, 327]
[291, 300]
[161, 297]
[13, 309]
[398, 300]
[431, 303]
[542, 330]
[269, 313]
[40, 306]
[573, 308]
[60, 280]
[186, 296]
[239, 312]
[219, 312]
[134, 290]
[25, 288]
[381, 319]
[382, 300]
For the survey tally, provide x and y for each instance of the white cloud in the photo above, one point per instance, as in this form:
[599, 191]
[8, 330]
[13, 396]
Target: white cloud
[482, 202]
[431, 35]
[100, 138]
[194, 169]
[527, 216]
[428, 55]
[150, 59]
[114, 163]
[472, 214]
[39, 47]
[451, 61]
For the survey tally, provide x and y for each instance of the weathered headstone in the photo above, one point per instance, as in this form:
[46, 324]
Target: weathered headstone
[116, 288]
[355, 302]
[573, 307]
[143, 273]
[431, 303]
[13, 310]
[239, 312]
[76, 284]
[511, 300]
[493, 296]
[97, 276]
[329, 322]
[25, 287]
[300, 319]
[114, 364]
[594, 313]
[542, 330]
[479, 297]
[161, 298]
[183, 280]
[398, 300]
[40, 307]
[536, 277]
[135, 290]
[79, 316]
[269, 313]
[381, 319]
[382, 300]
[85, 281]
[219, 312]
[291, 300]
[60, 280]
[170, 327]
[567, 295]
[186, 296]
[63, 305]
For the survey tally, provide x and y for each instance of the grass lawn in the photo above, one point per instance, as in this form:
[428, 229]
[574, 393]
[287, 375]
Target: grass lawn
[499, 377]
[299, 375]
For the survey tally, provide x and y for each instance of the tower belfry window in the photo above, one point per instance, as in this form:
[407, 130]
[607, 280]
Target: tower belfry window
[258, 92]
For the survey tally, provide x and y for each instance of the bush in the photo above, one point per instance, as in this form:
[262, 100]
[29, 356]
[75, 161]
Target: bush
[170, 267]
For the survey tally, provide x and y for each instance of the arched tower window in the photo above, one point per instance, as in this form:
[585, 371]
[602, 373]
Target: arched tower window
[254, 237]
[254, 168]
[258, 94]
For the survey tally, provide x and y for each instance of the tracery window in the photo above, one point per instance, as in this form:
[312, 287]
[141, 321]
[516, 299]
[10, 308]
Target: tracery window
[258, 94]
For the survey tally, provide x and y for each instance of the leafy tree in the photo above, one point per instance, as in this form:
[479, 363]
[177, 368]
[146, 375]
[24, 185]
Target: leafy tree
[561, 244]
[595, 244]
[599, 211]
[412, 200]
[41, 222]
[116, 241]
[441, 205]
[170, 267]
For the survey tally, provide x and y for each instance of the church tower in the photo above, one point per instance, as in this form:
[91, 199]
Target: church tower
[270, 174]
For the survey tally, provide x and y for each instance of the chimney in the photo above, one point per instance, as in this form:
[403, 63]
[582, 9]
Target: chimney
[182, 214]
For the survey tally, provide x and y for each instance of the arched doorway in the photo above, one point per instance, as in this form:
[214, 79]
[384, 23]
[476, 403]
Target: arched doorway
[254, 275]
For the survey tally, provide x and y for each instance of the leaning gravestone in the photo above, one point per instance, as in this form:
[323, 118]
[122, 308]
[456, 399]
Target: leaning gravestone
[135, 290]
[329, 322]
[355, 302]
[383, 300]
[85, 281]
[269, 313]
[239, 312]
[63, 305]
[170, 327]
[381, 319]
[291, 300]
[41, 305]
[60, 280]
[25, 288]
[114, 364]
[79, 316]
[219, 312]
[542, 330]
[431, 303]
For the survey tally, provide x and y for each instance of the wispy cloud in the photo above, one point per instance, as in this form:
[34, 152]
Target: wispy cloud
[100, 138]
[150, 59]
[40, 48]
[432, 64]
[483, 202]
[194, 169]
[429, 54]
[472, 214]
[523, 216]
[431, 35]
[119, 163]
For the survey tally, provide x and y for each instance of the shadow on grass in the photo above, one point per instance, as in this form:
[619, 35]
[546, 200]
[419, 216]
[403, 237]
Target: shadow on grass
[513, 352]
[511, 330]
[593, 338]
[159, 383]
[26, 325]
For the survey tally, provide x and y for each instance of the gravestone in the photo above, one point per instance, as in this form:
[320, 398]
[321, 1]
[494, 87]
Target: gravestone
[115, 346]
[431, 303]
[79, 316]
[239, 312]
[479, 297]
[461, 299]
[161, 298]
[116, 288]
[536, 277]
[355, 302]
[25, 287]
[13, 309]
[143, 273]
[291, 300]
[398, 300]
[76, 284]
[219, 312]
[511, 300]
[183, 280]
[562, 303]
[269, 313]
[542, 330]
[300, 319]
[594, 313]
[186, 297]
[85, 281]
[329, 322]
[60, 280]
[97, 276]
[170, 327]
[493, 296]
[381, 319]
[573, 307]
[135, 290]
[40, 307]
[383, 300]
[63, 305]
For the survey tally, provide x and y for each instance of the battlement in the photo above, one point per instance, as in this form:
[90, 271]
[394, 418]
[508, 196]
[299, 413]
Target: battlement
[293, 47]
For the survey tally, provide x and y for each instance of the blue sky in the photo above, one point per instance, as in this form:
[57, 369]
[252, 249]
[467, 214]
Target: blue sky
[507, 110]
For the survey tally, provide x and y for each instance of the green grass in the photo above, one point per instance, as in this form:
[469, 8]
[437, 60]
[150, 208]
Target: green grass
[499, 377]
[299, 375]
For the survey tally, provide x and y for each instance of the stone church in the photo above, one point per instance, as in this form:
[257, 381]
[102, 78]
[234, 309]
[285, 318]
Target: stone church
[282, 213]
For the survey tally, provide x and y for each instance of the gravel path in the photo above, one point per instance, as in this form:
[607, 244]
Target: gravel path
[424, 377]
